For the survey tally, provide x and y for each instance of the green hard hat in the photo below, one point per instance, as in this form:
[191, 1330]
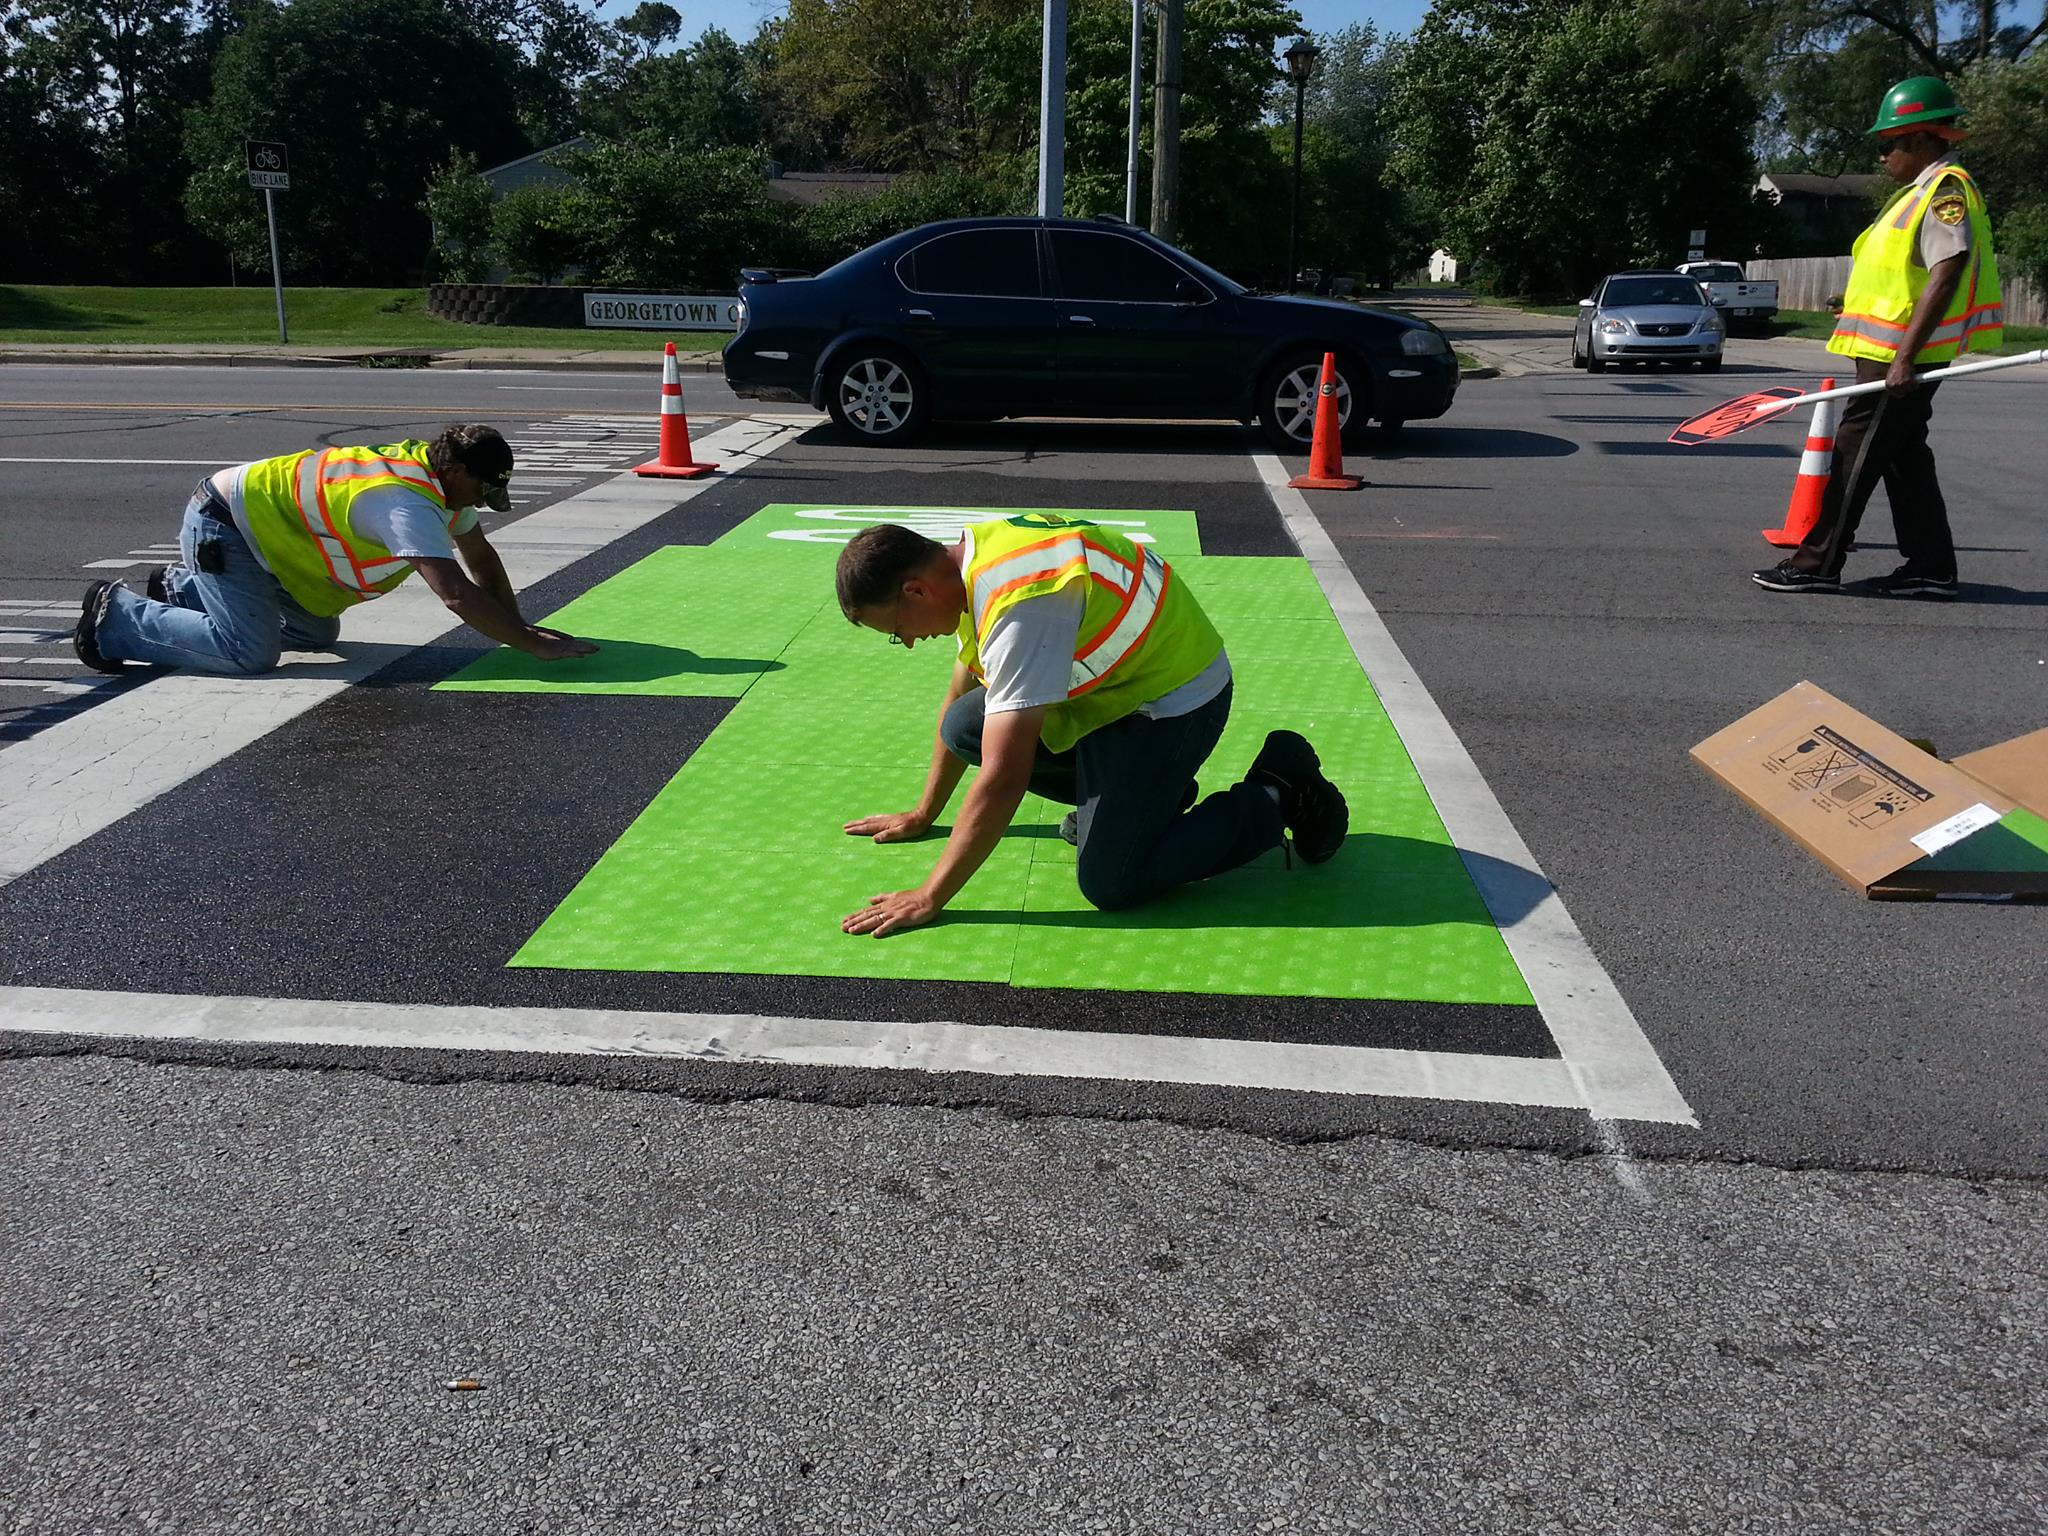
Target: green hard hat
[1922, 99]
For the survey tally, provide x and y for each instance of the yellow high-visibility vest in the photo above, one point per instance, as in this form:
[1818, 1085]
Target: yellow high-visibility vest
[298, 507]
[1886, 283]
[1142, 633]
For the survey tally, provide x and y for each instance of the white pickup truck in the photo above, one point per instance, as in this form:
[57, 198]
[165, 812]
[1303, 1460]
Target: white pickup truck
[1735, 296]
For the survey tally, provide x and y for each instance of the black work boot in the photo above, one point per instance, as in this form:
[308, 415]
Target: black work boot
[1311, 806]
[85, 637]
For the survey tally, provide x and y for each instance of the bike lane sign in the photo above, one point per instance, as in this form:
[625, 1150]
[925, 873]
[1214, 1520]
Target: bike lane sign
[268, 168]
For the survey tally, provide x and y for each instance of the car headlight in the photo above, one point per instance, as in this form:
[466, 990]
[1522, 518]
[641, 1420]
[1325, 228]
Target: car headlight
[1421, 343]
[1612, 327]
[1707, 325]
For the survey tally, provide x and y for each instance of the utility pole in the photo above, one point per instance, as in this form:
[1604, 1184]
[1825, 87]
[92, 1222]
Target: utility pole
[1166, 126]
[1052, 113]
[1137, 96]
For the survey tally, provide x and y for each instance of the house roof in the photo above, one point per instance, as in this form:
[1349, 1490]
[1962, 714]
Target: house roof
[579, 142]
[809, 187]
[1784, 182]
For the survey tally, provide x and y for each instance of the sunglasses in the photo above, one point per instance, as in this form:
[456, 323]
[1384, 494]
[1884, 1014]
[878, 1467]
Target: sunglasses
[1886, 146]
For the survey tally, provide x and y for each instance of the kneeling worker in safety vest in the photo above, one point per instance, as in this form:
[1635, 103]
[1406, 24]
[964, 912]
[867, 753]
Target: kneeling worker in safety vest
[1088, 673]
[1923, 291]
[274, 552]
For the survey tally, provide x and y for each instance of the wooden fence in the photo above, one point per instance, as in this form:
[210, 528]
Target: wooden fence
[1809, 282]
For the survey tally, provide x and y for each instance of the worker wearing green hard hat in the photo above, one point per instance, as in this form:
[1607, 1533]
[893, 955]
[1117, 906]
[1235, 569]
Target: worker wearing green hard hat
[1919, 103]
[1923, 291]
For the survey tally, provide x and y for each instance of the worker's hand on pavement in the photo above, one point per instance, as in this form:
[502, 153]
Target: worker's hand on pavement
[1899, 379]
[890, 911]
[553, 645]
[904, 827]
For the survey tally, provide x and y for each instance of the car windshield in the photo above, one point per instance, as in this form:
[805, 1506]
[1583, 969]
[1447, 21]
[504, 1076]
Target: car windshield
[1626, 292]
[1209, 274]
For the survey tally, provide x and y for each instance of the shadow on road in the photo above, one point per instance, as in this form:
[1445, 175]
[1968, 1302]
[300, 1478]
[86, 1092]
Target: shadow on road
[1472, 443]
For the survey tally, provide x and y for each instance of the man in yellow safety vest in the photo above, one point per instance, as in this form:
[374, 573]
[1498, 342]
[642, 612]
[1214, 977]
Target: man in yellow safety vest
[274, 552]
[1087, 672]
[1923, 291]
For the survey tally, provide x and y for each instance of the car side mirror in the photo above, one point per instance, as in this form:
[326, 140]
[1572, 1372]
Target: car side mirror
[1585, 303]
[1187, 291]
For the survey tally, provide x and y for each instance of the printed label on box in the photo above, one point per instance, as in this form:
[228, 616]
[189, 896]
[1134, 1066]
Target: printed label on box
[1844, 778]
[1959, 826]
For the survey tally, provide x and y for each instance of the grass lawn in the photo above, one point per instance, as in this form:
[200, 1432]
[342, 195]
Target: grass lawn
[1817, 325]
[316, 317]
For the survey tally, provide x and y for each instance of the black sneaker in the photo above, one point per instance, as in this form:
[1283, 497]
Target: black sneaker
[1310, 805]
[154, 588]
[1786, 578]
[85, 638]
[1907, 582]
[1070, 824]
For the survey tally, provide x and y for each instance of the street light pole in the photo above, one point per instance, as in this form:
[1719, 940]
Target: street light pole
[1301, 59]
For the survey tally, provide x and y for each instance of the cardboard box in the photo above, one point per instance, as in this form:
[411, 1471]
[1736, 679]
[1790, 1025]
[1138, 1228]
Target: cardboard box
[1892, 820]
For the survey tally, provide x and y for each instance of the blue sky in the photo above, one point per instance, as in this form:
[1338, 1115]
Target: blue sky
[742, 17]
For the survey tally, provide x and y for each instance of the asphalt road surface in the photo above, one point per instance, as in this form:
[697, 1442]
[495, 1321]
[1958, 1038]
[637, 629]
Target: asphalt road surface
[250, 1234]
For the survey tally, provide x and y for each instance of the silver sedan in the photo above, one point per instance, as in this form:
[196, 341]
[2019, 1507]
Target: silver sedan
[1647, 317]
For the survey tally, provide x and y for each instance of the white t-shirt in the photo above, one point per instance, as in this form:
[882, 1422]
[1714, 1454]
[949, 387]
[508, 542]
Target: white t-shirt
[1029, 658]
[400, 519]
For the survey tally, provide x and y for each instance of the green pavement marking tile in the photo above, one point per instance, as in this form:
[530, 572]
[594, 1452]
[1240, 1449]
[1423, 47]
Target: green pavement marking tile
[1234, 588]
[1354, 748]
[801, 808]
[2017, 842]
[816, 532]
[684, 622]
[1305, 932]
[660, 904]
[739, 864]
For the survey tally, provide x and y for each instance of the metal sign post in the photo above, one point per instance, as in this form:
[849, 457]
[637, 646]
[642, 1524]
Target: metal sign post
[271, 173]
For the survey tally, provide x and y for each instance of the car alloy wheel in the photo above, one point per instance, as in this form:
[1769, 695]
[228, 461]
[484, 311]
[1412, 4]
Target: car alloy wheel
[1290, 404]
[877, 398]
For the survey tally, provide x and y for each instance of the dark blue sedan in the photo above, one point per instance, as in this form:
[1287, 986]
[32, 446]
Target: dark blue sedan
[975, 319]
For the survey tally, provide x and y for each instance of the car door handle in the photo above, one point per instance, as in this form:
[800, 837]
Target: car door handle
[1080, 319]
[920, 314]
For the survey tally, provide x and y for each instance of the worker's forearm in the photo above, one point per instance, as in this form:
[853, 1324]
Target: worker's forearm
[944, 775]
[489, 574]
[485, 614]
[985, 815]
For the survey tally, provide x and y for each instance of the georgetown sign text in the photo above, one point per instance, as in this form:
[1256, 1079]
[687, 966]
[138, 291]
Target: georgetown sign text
[661, 312]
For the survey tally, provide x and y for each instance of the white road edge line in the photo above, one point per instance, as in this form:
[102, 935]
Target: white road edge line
[993, 1049]
[86, 773]
[1620, 1075]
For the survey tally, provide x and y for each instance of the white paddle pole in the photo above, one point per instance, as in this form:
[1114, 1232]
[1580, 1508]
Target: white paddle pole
[1932, 376]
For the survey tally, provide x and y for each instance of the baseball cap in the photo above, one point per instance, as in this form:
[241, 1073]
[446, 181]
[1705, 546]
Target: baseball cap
[484, 452]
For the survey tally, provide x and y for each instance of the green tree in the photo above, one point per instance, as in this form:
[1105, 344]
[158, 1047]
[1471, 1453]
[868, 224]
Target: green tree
[2007, 151]
[1356, 216]
[101, 88]
[1559, 144]
[458, 204]
[704, 96]
[541, 229]
[370, 95]
[657, 216]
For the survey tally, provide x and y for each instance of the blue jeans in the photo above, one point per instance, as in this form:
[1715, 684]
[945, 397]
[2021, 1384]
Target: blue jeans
[1126, 780]
[234, 620]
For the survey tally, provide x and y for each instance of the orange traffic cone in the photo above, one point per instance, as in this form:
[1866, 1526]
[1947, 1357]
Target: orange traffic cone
[1815, 465]
[674, 461]
[1326, 449]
